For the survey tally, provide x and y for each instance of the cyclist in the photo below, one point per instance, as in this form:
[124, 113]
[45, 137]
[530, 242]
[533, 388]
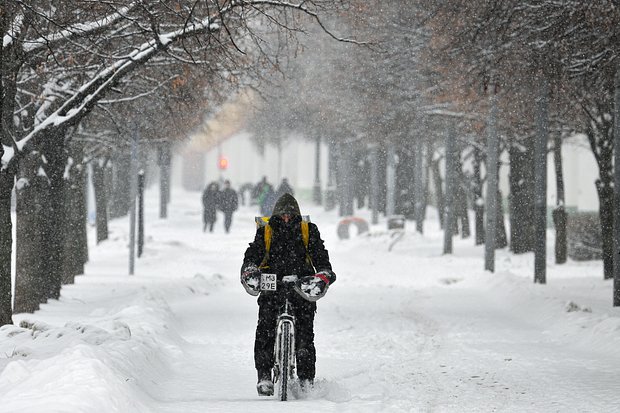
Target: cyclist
[289, 253]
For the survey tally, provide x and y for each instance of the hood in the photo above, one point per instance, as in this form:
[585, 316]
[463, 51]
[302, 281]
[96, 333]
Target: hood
[286, 204]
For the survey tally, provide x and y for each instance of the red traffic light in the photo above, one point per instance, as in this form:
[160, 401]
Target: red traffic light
[222, 163]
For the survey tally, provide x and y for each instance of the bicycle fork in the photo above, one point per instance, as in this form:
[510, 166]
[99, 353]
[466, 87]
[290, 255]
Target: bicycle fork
[284, 351]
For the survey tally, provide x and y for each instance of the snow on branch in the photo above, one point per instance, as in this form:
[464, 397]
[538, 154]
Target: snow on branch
[76, 107]
[79, 29]
[81, 102]
[138, 96]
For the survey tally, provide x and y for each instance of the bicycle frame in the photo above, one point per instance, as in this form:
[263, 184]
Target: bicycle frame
[284, 348]
[284, 351]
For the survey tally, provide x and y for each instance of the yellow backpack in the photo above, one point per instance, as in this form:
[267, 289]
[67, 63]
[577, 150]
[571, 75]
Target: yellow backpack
[305, 236]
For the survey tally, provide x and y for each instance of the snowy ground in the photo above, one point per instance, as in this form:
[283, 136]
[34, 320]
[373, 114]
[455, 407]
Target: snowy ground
[402, 330]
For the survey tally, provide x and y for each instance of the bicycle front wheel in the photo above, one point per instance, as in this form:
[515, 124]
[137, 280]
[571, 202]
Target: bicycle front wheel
[285, 361]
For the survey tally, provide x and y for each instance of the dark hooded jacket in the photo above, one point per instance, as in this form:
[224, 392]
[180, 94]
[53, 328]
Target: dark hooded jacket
[287, 253]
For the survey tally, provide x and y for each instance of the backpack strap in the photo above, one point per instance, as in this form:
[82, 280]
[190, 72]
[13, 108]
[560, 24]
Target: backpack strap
[267, 237]
[305, 233]
[305, 236]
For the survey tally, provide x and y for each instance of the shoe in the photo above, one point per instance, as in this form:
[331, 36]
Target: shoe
[265, 384]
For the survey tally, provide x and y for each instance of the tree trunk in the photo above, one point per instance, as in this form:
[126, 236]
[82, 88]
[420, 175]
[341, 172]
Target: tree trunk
[165, 160]
[559, 213]
[140, 212]
[54, 151]
[316, 188]
[616, 180]
[449, 215]
[101, 199]
[501, 237]
[427, 175]
[390, 179]
[7, 179]
[361, 177]
[478, 200]
[606, 213]
[521, 198]
[120, 187]
[75, 217]
[462, 210]
[346, 190]
[383, 165]
[540, 183]
[31, 226]
[437, 184]
[493, 211]
[405, 182]
[330, 191]
[340, 179]
[419, 190]
[600, 136]
[374, 183]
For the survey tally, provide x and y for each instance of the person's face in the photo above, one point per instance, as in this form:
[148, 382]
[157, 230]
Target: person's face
[286, 217]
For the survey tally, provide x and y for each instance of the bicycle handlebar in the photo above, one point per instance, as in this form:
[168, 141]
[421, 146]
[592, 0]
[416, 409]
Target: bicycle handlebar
[288, 283]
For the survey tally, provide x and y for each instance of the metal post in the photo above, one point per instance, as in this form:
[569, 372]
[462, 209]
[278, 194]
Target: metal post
[492, 180]
[616, 250]
[132, 200]
[316, 190]
[140, 212]
[540, 183]
[449, 197]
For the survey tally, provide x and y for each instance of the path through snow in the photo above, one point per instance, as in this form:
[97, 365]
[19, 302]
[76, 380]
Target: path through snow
[406, 330]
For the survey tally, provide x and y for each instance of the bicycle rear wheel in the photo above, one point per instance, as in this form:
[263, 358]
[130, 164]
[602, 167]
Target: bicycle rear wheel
[285, 361]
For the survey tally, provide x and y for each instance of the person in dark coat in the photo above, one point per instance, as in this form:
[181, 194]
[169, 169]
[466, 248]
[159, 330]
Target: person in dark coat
[287, 255]
[265, 196]
[210, 202]
[229, 202]
[284, 188]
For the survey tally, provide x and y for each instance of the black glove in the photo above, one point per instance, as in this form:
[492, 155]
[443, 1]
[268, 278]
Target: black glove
[250, 279]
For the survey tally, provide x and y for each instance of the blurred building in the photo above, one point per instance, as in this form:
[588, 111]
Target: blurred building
[224, 150]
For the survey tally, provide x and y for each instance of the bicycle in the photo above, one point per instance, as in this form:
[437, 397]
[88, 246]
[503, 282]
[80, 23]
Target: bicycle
[284, 348]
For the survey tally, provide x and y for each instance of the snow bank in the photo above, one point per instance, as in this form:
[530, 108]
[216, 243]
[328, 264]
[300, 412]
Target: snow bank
[109, 363]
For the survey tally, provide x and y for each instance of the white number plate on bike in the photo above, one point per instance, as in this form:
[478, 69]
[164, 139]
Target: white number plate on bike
[268, 282]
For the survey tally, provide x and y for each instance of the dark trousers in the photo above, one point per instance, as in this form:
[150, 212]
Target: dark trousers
[208, 219]
[270, 305]
[227, 220]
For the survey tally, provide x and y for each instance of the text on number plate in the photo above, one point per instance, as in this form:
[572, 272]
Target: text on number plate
[268, 282]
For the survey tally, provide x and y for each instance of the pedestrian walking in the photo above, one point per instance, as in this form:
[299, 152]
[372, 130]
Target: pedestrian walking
[210, 202]
[266, 196]
[229, 202]
[284, 188]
